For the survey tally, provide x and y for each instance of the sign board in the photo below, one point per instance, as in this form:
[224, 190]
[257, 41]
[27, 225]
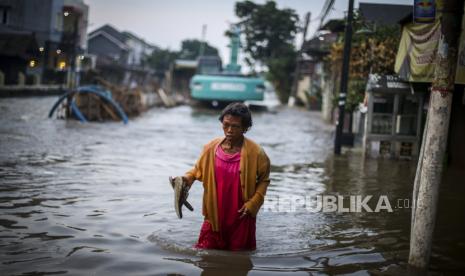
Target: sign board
[228, 86]
[387, 84]
[424, 11]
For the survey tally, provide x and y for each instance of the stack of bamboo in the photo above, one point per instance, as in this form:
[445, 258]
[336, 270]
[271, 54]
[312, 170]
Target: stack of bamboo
[130, 100]
[95, 109]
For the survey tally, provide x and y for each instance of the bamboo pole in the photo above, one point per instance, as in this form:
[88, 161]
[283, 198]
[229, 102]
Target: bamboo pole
[435, 141]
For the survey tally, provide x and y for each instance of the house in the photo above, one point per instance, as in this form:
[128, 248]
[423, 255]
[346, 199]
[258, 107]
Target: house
[417, 68]
[394, 118]
[59, 28]
[18, 49]
[326, 75]
[312, 76]
[120, 55]
[109, 45]
[178, 77]
[140, 49]
[317, 80]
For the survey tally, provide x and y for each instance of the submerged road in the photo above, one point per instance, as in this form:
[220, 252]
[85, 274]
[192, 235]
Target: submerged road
[82, 199]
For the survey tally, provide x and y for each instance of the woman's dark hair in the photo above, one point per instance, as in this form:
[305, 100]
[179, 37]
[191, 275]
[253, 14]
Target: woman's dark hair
[238, 109]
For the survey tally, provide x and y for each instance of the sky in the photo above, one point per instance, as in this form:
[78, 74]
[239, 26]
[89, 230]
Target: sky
[165, 23]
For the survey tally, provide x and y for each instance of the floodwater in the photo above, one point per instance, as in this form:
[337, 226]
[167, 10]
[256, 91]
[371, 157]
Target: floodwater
[93, 199]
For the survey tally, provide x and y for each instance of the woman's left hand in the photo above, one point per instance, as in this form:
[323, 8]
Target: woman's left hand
[243, 211]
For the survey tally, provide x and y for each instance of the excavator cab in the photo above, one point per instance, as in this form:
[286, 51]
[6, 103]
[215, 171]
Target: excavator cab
[209, 65]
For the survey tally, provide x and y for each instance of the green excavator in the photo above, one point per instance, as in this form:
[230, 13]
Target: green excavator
[216, 85]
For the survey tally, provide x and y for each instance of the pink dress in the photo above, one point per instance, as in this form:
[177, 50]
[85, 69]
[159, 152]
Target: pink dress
[235, 233]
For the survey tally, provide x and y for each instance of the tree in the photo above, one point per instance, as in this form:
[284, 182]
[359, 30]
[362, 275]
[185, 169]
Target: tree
[375, 52]
[190, 49]
[269, 40]
[161, 60]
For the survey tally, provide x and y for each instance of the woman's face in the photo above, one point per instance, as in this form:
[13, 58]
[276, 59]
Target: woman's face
[232, 127]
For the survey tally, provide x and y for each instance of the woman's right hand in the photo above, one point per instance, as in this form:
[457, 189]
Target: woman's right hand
[187, 180]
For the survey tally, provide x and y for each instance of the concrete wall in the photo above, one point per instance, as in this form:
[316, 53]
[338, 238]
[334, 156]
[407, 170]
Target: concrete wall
[327, 102]
[303, 88]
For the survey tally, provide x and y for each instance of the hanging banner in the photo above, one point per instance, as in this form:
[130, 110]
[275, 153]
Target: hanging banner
[424, 11]
[417, 51]
[460, 73]
[415, 59]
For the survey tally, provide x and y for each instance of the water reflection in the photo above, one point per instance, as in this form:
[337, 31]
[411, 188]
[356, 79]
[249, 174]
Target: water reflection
[212, 265]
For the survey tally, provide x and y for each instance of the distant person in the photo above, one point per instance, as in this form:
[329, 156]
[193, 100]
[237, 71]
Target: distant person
[235, 174]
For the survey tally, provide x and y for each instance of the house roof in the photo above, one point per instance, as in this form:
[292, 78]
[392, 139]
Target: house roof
[185, 63]
[112, 31]
[319, 45]
[111, 34]
[135, 37]
[118, 37]
[384, 14]
[334, 25]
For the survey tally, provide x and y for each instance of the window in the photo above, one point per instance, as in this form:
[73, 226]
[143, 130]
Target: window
[406, 149]
[59, 21]
[207, 67]
[4, 15]
[395, 114]
[384, 148]
[383, 107]
[406, 123]
[383, 103]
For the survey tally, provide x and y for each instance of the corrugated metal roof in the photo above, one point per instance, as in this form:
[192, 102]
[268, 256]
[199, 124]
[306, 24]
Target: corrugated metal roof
[184, 63]
[384, 14]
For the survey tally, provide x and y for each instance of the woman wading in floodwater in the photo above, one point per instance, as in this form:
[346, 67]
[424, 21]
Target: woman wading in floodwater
[235, 174]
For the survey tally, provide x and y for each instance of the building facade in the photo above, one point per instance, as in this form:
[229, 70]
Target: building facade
[120, 56]
[59, 29]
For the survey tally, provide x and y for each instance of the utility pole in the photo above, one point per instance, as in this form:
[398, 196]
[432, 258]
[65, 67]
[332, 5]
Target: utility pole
[344, 78]
[295, 81]
[429, 172]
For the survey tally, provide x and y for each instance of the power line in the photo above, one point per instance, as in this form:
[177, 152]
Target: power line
[325, 11]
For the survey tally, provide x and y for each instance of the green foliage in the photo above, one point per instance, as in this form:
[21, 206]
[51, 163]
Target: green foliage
[269, 35]
[279, 73]
[190, 49]
[356, 93]
[374, 49]
[161, 60]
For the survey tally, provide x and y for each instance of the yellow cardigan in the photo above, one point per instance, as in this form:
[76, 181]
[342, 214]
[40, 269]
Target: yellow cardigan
[254, 174]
